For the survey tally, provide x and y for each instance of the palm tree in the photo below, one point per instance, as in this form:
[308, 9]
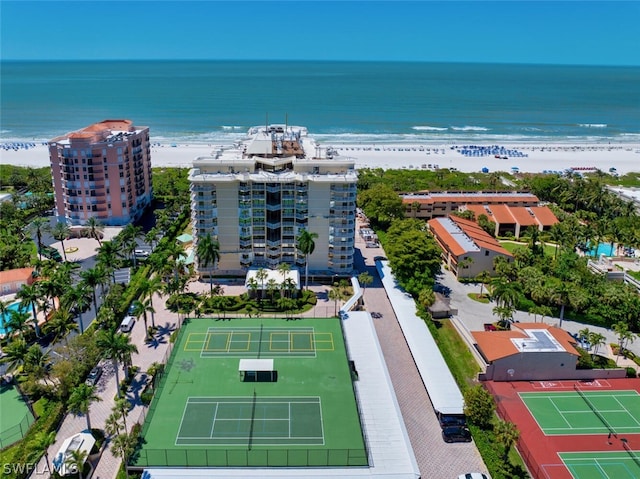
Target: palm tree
[261, 275]
[506, 434]
[109, 256]
[253, 285]
[112, 424]
[122, 406]
[596, 340]
[365, 279]
[116, 346]
[334, 294]
[307, 246]
[78, 299]
[272, 287]
[152, 237]
[15, 354]
[75, 461]
[122, 446]
[505, 313]
[127, 239]
[140, 308]
[484, 277]
[18, 322]
[93, 277]
[208, 254]
[37, 363]
[81, 399]
[560, 296]
[60, 232]
[504, 293]
[283, 269]
[149, 287]
[624, 337]
[38, 226]
[29, 295]
[95, 229]
[61, 324]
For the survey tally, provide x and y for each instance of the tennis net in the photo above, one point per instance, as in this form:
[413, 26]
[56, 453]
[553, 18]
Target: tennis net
[253, 418]
[630, 452]
[595, 410]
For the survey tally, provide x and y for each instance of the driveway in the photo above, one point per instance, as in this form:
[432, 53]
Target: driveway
[473, 314]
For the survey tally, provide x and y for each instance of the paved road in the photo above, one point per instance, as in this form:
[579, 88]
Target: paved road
[473, 314]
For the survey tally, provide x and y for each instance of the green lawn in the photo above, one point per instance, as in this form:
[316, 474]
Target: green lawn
[207, 414]
[15, 417]
[511, 247]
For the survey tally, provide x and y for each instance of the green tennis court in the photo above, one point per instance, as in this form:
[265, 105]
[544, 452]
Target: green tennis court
[602, 465]
[15, 416]
[205, 413]
[242, 342]
[251, 421]
[585, 412]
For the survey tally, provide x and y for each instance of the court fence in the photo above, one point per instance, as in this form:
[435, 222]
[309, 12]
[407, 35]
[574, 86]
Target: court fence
[15, 433]
[249, 458]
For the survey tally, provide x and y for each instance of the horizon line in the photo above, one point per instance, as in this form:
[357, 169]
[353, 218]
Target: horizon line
[294, 60]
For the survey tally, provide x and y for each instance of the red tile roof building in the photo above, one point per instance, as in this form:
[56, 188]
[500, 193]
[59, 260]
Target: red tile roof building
[533, 352]
[515, 219]
[13, 279]
[427, 205]
[467, 249]
[102, 171]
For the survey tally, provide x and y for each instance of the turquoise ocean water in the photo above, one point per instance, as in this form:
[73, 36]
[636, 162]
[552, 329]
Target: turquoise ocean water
[338, 101]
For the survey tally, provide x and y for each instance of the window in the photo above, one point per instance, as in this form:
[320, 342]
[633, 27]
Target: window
[486, 253]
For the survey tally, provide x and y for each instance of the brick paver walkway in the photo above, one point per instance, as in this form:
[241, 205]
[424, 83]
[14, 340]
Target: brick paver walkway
[436, 459]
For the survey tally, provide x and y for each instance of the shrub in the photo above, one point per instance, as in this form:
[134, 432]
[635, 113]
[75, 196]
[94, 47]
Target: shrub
[631, 372]
[479, 406]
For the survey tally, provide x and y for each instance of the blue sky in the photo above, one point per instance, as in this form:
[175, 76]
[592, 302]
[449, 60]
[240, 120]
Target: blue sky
[510, 31]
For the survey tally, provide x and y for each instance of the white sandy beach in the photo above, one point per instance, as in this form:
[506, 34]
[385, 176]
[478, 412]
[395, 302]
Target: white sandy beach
[624, 157]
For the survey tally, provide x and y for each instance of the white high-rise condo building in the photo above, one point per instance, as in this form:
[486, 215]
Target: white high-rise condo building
[257, 196]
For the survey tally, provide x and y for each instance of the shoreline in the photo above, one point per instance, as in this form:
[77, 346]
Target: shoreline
[519, 157]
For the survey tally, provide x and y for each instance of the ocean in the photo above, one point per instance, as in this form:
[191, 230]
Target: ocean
[367, 102]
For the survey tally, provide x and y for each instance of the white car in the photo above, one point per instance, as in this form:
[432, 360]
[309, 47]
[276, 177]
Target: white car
[473, 475]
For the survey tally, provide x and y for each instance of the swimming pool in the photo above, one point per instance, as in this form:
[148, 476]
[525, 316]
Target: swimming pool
[4, 317]
[603, 249]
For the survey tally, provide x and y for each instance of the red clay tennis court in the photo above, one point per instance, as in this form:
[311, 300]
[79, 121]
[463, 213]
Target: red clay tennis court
[575, 429]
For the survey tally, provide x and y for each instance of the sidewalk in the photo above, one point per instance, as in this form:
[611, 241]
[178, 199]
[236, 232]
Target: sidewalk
[472, 315]
[108, 465]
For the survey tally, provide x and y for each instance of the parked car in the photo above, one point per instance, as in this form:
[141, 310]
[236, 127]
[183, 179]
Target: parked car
[456, 434]
[141, 254]
[93, 376]
[447, 420]
[473, 475]
[127, 324]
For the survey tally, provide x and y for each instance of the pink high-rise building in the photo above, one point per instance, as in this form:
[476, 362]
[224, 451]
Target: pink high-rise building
[102, 171]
